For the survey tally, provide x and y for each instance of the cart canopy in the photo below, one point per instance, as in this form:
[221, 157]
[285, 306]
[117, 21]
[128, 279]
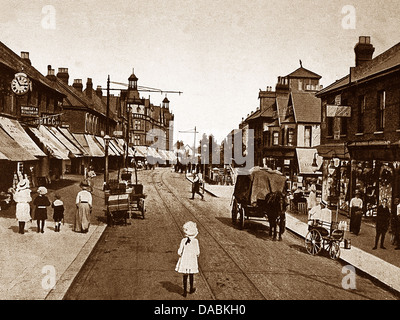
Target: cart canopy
[257, 184]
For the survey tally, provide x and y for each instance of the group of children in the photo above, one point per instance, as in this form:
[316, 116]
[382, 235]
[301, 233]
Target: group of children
[22, 197]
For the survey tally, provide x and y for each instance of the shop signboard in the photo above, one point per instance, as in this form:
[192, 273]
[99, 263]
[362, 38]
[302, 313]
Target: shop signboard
[29, 111]
[338, 111]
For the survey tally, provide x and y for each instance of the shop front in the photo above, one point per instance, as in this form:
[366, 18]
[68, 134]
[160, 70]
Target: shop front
[336, 175]
[374, 173]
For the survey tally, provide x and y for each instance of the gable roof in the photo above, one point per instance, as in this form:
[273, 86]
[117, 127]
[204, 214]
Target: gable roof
[306, 107]
[303, 73]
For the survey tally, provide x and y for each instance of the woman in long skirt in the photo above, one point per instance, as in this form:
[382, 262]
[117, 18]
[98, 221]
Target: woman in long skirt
[84, 209]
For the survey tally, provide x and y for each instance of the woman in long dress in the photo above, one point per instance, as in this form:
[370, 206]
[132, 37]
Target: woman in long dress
[22, 197]
[84, 208]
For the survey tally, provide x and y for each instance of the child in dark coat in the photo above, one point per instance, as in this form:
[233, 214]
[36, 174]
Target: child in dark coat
[58, 212]
[41, 203]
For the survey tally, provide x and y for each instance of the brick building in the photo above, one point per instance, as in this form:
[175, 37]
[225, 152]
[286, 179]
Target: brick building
[360, 129]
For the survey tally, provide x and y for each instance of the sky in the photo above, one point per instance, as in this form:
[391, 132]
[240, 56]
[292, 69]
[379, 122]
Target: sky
[219, 53]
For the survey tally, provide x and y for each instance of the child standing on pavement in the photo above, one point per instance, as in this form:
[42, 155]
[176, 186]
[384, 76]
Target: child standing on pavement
[58, 212]
[188, 252]
[41, 203]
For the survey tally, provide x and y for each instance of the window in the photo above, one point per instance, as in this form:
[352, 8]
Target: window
[381, 110]
[275, 141]
[267, 136]
[329, 124]
[290, 137]
[343, 126]
[360, 112]
[307, 136]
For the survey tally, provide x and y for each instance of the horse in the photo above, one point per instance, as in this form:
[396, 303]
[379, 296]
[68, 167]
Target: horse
[274, 207]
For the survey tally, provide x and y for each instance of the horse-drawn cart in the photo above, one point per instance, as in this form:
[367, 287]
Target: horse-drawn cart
[260, 194]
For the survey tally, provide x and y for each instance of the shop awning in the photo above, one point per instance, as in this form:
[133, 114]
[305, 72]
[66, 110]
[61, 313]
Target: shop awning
[333, 150]
[372, 150]
[11, 150]
[54, 147]
[94, 148]
[140, 151]
[68, 134]
[305, 158]
[74, 150]
[87, 141]
[16, 132]
[116, 147]
[111, 148]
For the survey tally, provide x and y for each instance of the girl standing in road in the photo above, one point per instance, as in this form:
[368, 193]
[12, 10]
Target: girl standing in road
[41, 203]
[22, 197]
[188, 252]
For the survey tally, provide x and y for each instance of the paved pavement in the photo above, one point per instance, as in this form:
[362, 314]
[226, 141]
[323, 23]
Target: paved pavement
[36, 266]
[383, 265]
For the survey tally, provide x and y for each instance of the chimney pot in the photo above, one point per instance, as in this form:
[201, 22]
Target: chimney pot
[78, 84]
[63, 75]
[99, 91]
[363, 50]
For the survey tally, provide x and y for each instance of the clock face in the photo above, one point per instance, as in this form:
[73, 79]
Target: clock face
[20, 84]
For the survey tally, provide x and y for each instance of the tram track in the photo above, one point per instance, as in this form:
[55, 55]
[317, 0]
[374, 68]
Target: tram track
[158, 187]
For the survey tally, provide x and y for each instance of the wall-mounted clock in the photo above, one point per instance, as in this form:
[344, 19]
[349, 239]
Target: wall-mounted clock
[20, 84]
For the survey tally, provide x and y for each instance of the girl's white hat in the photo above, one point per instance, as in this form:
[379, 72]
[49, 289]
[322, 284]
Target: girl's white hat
[42, 190]
[190, 229]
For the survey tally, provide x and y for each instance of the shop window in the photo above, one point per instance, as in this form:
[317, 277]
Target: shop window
[360, 112]
[381, 110]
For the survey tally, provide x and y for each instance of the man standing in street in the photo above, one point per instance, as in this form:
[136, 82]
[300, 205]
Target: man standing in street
[382, 223]
[196, 186]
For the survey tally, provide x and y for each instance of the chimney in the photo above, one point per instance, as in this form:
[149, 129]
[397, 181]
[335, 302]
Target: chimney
[99, 91]
[63, 75]
[78, 84]
[89, 87]
[50, 73]
[363, 50]
[25, 57]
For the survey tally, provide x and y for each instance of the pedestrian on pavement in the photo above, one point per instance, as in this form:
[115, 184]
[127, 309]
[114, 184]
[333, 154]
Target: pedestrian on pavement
[356, 212]
[84, 208]
[41, 203]
[382, 223]
[312, 198]
[196, 186]
[58, 212]
[396, 224]
[188, 252]
[22, 196]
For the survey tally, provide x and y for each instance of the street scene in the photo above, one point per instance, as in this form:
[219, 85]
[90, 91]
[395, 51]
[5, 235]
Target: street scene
[198, 151]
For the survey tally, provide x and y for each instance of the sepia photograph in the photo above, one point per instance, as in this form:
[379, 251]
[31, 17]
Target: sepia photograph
[200, 158]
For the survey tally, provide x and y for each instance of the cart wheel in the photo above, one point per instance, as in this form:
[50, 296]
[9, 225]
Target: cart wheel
[241, 217]
[334, 250]
[313, 242]
[234, 211]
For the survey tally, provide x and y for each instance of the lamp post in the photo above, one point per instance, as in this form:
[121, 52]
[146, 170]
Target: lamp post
[204, 165]
[107, 139]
